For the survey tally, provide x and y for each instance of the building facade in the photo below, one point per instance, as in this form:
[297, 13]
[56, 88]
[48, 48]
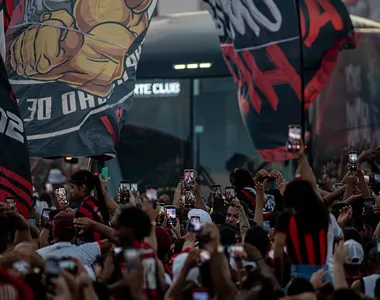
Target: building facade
[165, 7]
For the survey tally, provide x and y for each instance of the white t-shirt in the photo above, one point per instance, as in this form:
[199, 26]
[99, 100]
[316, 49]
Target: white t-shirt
[334, 233]
[86, 253]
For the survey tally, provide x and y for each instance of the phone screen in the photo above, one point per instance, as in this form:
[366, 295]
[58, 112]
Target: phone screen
[216, 189]
[188, 178]
[171, 212]
[369, 201]
[134, 187]
[236, 251]
[132, 257]
[45, 216]
[68, 265]
[104, 173]
[376, 177]
[52, 267]
[352, 157]
[61, 195]
[151, 193]
[366, 178]
[230, 193]
[124, 186]
[294, 138]
[200, 296]
[32, 222]
[10, 201]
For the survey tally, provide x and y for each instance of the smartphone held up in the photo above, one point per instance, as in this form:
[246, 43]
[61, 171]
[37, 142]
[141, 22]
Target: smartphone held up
[152, 195]
[188, 179]
[294, 138]
[61, 195]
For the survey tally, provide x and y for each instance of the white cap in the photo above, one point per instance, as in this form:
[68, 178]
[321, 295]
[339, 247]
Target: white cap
[203, 216]
[56, 177]
[355, 252]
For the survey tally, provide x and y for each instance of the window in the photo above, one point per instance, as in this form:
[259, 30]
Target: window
[224, 143]
[155, 143]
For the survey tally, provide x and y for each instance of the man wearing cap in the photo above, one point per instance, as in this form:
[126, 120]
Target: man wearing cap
[64, 235]
[354, 259]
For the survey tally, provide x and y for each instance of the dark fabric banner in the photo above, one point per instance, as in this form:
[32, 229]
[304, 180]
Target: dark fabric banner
[14, 157]
[260, 44]
[72, 65]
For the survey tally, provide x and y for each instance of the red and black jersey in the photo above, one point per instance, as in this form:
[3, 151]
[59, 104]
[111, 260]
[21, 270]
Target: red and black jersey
[90, 209]
[303, 248]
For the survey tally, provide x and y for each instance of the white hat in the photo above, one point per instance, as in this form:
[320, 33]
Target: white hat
[178, 263]
[56, 177]
[355, 252]
[203, 216]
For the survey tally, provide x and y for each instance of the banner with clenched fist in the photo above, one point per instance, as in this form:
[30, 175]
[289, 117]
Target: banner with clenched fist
[72, 65]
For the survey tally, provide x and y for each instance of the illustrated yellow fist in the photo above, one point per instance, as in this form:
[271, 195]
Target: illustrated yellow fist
[40, 49]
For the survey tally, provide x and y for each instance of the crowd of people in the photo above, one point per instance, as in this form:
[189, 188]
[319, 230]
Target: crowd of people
[264, 239]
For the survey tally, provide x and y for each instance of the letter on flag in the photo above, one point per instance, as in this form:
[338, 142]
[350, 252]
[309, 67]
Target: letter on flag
[260, 42]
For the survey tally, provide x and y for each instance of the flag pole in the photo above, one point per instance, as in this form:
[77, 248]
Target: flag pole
[303, 116]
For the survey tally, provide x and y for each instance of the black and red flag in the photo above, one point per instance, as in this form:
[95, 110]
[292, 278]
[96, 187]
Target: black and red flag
[261, 44]
[14, 157]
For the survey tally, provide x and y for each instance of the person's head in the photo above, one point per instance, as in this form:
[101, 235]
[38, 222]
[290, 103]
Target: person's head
[63, 226]
[300, 197]
[258, 237]
[372, 265]
[164, 241]
[82, 183]
[345, 294]
[132, 224]
[232, 216]
[241, 178]
[355, 256]
[218, 218]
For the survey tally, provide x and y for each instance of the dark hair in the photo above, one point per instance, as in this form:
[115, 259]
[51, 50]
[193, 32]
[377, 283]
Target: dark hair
[312, 212]
[345, 293]
[84, 177]
[258, 237]
[137, 220]
[241, 178]
[352, 234]
[218, 218]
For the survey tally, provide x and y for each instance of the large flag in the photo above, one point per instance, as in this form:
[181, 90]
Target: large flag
[14, 159]
[72, 65]
[260, 41]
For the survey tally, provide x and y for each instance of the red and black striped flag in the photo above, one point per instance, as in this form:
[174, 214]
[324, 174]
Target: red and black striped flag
[14, 156]
[261, 42]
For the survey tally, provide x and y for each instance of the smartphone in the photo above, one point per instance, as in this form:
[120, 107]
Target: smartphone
[132, 257]
[352, 160]
[11, 202]
[194, 225]
[134, 187]
[152, 195]
[236, 250]
[68, 265]
[188, 179]
[171, 213]
[200, 295]
[294, 138]
[230, 193]
[61, 195]
[124, 188]
[204, 255]
[45, 215]
[52, 268]
[376, 177]
[32, 222]
[104, 173]
[369, 201]
[366, 178]
[216, 190]
[337, 186]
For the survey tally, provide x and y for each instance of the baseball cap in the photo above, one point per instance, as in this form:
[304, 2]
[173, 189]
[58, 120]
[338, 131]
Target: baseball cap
[203, 216]
[355, 252]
